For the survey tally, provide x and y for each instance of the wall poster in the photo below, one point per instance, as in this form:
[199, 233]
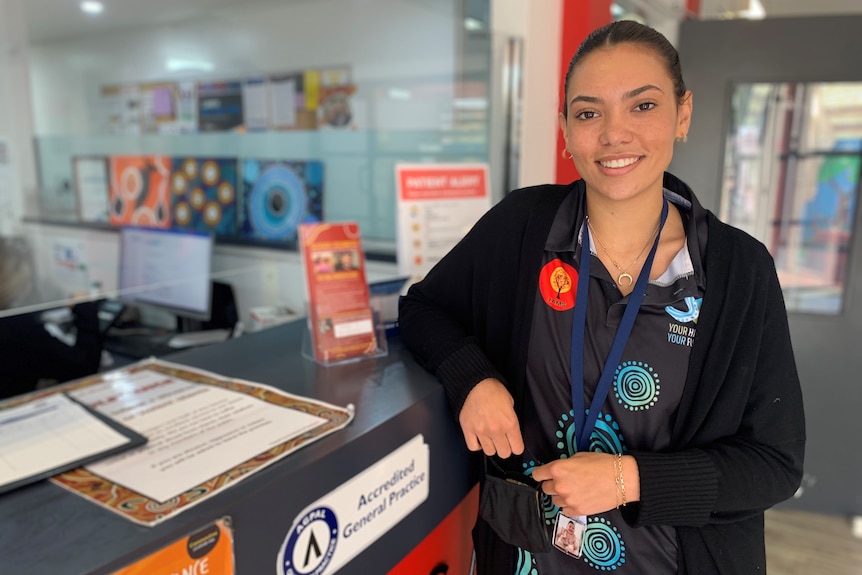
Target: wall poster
[92, 187]
[278, 196]
[204, 194]
[139, 192]
[437, 206]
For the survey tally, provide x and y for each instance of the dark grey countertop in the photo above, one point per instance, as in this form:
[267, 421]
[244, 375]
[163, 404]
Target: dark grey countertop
[45, 529]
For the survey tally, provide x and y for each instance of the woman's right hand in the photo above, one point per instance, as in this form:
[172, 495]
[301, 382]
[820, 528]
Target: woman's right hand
[488, 420]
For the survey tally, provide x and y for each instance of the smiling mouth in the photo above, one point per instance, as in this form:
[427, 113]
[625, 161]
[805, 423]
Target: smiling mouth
[620, 163]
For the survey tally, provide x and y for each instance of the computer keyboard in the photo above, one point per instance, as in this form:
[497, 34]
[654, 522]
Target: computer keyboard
[139, 346]
[57, 316]
[108, 313]
[194, 338]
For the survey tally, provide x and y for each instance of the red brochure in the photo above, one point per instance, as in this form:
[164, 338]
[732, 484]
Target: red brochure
[341, 321]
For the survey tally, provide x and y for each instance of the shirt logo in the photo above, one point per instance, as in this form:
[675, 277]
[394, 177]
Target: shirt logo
[558, 285]
[689, 315]
[683, 334]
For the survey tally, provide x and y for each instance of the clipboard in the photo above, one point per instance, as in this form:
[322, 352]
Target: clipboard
[57, 433]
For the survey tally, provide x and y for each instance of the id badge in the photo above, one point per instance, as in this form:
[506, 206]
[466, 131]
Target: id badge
[569, 534]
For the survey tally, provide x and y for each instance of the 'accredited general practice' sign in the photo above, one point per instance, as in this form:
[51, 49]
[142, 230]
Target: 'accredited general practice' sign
[331, 531]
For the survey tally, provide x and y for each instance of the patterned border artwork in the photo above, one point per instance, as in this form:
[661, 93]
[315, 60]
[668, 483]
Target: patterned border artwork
[145, 511]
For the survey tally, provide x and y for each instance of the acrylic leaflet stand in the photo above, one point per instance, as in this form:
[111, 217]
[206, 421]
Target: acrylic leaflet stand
[377, 345]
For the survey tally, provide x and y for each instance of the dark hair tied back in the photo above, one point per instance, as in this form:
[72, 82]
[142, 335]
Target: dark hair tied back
[629, 32]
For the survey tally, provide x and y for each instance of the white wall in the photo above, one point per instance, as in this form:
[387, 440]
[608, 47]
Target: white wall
[18, 172]
[538, 23]
[378, 40]
[387, 45]
[663, 15]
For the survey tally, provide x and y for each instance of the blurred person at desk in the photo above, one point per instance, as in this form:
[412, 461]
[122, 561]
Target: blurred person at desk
[30, 355]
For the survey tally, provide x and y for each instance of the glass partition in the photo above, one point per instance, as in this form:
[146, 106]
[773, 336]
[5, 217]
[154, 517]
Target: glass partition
[358, 170]
[224, 119]
[791, 179]
[126, 119]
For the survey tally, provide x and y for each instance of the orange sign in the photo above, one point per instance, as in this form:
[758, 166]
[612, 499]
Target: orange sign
[208, 551]
[442, 182]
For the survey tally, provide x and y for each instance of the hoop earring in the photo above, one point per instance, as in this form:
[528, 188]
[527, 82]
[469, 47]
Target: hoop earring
[567, 155]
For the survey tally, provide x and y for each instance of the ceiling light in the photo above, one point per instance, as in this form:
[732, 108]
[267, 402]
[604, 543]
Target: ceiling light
[177, 65]
[92, 7]
[399, 94]
[473, 24]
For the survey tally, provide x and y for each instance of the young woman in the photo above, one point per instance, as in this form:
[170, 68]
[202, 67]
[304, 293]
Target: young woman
[617, 342]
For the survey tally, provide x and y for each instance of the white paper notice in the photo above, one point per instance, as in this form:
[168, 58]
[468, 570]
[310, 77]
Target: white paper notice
[48, 433]
[91, 182]
[71, 265]
[195, 431]
[284, 103]
[187, 108]
[254, 104]
[437, 206]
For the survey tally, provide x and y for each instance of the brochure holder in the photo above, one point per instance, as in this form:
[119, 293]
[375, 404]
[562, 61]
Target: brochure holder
[344, 324]
[377, 348]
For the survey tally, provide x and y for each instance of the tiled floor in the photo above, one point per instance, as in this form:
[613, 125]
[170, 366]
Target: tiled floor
[801, 543]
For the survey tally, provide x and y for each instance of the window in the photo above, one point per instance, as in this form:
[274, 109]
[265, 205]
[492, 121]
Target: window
[791, 179]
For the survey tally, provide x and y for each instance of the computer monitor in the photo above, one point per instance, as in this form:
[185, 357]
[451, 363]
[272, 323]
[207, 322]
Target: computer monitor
[169, 269]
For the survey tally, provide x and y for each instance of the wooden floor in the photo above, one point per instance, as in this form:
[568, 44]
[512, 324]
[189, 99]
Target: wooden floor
[800, 543]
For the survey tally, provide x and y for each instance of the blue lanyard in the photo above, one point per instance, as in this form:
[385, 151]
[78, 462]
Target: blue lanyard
[585, 423]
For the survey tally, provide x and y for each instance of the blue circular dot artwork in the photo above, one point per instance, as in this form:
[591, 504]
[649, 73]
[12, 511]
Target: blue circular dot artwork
[277, 203]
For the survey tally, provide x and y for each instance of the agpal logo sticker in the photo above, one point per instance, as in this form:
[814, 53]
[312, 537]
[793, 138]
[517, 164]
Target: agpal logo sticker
[310, 544]
[330, 532]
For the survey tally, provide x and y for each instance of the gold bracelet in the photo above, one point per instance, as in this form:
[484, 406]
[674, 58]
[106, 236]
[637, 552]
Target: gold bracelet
[616, 482]
[619, 478]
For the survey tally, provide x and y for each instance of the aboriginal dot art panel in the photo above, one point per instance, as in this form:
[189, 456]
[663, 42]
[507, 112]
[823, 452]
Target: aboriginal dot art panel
[280, 195]
[204, 195]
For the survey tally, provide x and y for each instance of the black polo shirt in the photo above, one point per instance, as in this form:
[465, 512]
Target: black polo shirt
[646, 388]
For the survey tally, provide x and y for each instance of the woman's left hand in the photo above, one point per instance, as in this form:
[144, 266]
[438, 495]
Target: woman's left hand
[585, 483]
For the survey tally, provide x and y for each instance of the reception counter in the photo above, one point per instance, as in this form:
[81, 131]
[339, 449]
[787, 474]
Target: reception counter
[45, 529]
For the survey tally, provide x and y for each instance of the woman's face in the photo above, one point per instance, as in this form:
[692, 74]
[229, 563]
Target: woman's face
[623, 117]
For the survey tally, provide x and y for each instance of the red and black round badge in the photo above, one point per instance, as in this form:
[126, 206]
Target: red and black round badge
[558, 284]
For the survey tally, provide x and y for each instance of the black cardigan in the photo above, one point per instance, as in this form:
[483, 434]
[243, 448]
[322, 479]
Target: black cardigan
[738, 439]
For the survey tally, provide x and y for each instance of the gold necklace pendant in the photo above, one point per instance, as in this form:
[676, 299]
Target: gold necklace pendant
[624, 276]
